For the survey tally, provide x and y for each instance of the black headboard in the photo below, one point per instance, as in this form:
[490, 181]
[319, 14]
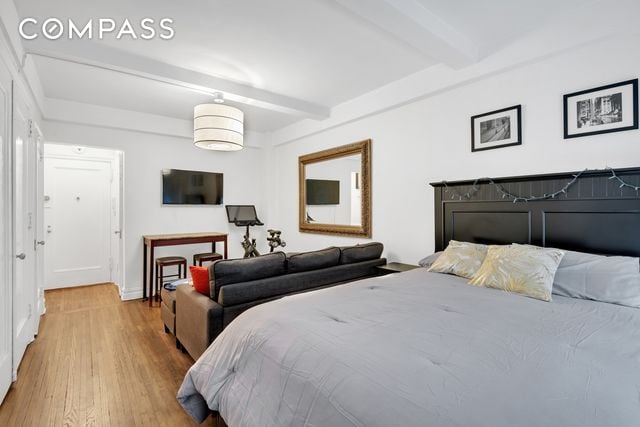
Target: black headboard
[594, 215]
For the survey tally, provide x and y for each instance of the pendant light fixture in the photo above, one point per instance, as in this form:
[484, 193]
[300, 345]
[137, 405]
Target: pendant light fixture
[217, 126]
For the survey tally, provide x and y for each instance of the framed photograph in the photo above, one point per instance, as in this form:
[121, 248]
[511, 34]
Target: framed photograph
[611, 108]
[497, 129]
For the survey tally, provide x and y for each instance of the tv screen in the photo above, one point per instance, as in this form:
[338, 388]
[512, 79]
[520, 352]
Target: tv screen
[181, 187]
[322, 192]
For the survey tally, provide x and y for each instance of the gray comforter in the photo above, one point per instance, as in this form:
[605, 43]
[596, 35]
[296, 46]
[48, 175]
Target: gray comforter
[425, 349]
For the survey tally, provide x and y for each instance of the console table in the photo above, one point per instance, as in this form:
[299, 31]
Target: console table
[150, 242]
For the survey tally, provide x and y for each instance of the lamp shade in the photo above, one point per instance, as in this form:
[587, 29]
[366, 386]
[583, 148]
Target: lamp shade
[218, 127]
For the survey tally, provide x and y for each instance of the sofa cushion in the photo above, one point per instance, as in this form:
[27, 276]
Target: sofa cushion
[359, 253]
[307, 261]
[228, 271]
[168, 299]
[255, 291]
[168, 318]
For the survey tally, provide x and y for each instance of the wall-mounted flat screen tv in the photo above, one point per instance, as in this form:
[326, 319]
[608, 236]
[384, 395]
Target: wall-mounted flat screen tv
[182, 187]
[322, 192]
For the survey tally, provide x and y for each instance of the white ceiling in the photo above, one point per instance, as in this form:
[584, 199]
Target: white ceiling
[495, 23]
[310, 53]
[118, 90]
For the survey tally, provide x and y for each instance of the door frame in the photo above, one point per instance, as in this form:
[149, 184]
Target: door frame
[6, 197]
[39, 223]
[117, 246]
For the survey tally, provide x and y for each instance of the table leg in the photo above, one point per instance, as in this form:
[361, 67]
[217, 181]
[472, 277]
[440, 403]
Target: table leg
[144, 271]
[153, 275]
[225, 248]
[213, 246]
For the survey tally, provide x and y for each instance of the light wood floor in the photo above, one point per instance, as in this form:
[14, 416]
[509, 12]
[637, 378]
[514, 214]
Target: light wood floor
[98, 361]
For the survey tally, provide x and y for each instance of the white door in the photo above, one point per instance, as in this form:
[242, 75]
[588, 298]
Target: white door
[24, 280]
[78, 225]
[5, 234]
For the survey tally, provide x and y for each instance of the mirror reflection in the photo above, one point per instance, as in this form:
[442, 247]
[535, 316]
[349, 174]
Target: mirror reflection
[333, 191]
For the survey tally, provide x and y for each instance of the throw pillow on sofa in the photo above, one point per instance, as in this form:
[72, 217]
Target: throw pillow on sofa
[306, 261]
[229, 271]
[200, 276]
[361, 253]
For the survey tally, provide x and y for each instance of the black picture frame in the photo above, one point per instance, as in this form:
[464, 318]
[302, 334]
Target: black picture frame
[634, 102]
[516, 112]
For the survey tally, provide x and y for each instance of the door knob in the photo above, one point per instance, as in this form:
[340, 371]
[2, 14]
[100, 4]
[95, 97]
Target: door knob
[41, 242]
[21, 256]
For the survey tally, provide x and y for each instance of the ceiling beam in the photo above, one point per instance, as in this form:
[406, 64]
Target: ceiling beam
[411, 22]
[105, 57]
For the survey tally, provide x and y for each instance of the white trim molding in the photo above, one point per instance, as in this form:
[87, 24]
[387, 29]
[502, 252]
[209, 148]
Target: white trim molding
[130, 294]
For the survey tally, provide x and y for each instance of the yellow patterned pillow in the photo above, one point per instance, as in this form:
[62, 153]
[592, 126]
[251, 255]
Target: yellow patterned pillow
[460, 258]
[524, 269]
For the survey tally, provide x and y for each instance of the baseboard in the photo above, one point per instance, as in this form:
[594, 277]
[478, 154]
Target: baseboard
[42, 306]
[129, 294]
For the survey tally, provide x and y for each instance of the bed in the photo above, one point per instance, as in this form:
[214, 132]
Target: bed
[421, 348]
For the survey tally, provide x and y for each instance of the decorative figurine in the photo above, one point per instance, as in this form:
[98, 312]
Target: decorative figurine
[275, 240]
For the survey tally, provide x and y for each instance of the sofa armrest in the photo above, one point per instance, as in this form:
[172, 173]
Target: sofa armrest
[198, 320]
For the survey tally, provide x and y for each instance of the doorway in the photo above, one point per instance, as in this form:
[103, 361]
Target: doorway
[82, 216]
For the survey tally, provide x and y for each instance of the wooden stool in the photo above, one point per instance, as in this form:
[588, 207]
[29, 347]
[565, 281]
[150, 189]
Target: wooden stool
[198, 259]
[169, 261]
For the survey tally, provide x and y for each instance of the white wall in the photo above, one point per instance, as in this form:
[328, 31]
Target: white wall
[145, 155]
[429, 140]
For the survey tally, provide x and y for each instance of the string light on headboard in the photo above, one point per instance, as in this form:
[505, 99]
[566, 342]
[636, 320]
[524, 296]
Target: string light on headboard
[506, 194]
[460, 196]
[545, 196]
[622, 183]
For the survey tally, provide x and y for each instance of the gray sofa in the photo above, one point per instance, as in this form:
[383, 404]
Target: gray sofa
[239, 284]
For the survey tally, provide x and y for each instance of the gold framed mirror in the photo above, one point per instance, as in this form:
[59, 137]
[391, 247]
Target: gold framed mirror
[335, 190]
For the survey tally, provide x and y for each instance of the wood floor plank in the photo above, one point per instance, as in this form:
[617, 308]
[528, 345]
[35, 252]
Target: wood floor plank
[98, 361]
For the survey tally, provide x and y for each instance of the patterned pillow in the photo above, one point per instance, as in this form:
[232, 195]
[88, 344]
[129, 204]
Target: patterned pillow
[460, 258]
[524, 269]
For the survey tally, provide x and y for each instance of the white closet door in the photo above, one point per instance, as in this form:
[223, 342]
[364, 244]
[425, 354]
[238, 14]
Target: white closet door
[24, 267]
[5, 236]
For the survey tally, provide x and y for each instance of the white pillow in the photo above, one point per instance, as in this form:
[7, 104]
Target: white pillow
[611, 279]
